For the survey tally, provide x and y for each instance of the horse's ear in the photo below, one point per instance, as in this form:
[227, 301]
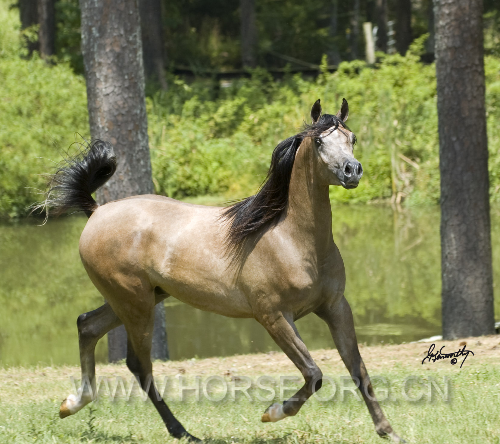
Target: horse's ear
[343, 114]
[316, 111]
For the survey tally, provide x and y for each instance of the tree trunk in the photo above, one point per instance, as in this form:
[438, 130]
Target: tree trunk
[333, 52]
[28, 12]
[355, 30]
[466, 269]
[369, 45]
[403, 26]
[381, 17]
[430, 44]
[47, 30]
[112, 55]
[248, 34]
[153, 41]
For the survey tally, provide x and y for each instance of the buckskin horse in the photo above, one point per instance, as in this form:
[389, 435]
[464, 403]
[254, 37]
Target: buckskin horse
[271, 257]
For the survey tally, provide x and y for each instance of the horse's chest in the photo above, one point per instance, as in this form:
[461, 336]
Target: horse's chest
[300, 288]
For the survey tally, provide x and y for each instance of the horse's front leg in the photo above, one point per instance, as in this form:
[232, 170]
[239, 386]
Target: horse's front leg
[285, 334]
[339, 318]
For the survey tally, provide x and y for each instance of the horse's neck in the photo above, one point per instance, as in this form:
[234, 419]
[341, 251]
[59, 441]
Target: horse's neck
[309, 214]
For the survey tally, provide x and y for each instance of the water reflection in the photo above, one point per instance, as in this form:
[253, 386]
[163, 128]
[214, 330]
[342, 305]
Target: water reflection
[393, 284]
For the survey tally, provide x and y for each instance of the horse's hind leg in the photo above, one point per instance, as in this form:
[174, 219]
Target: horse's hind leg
[340, 321]
[92, 326]
[283, 331]
[139, 325]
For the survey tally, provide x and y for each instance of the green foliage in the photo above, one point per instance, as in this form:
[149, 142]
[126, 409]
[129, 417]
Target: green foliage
[41, 107]
[207, 139]
[68, 37]
[202, 145]
[10, 43]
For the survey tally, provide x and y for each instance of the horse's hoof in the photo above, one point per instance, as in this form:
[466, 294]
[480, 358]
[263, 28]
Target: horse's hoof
[185, 435]
[64, 411]
[274, 413]
[394, 437]
[72, 404]
[190, 438]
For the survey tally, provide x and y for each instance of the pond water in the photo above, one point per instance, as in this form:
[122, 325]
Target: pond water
[393, 285]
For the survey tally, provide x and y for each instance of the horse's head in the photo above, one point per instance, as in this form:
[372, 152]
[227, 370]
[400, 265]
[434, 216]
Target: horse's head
[335, 146]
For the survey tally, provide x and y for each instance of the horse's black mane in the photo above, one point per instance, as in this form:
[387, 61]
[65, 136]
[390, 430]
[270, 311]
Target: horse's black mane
[251, 214]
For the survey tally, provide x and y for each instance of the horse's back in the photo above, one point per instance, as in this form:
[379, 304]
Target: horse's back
[135, 225]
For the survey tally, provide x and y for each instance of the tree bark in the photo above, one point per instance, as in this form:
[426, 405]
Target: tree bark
[153, 41]
[28, 13]
[248, 34]
[112, 54]
[355, 30]
[467, 279]
[403, 26]
[47, 30]
[431, 43]
[381, 17]
[369, 45]
[333, 52]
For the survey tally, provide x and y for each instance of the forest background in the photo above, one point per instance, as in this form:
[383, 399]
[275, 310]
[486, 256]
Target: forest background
[211, 136]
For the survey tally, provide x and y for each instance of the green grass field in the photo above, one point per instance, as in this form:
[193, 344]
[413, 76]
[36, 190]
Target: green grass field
[466, 409]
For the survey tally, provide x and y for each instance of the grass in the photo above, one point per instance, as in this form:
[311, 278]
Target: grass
[467, 412]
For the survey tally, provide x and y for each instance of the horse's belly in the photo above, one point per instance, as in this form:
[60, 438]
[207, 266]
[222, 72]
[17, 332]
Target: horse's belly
[217, 304]
[207, 294]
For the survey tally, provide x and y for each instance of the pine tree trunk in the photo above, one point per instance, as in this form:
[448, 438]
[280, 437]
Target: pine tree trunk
[355, 30]
[47, 30]
[431, 42]
[333, 52]
[369, 45]
[466, 268]
[381, 17]
[403, 26]
[152, 41]
[248, 33]
[28, 13]
[112, 54]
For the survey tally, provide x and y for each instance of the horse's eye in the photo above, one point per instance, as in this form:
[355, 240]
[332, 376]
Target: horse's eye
[318, 140]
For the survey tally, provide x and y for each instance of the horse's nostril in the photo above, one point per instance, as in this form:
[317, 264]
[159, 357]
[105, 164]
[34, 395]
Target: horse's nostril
[348, 170]
[359, 170]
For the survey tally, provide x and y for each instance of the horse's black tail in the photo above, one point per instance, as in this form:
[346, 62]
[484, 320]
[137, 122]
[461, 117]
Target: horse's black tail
[72, 185]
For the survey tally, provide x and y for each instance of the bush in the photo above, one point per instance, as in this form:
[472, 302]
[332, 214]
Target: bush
[209, 140]
[41, 107]
[202, 145]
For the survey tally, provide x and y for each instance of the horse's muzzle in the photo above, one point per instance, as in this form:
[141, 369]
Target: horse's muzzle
[351, 174]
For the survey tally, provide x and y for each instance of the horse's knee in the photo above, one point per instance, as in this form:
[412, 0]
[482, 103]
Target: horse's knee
[134, 365]
[315, 379]
[86, 331]
[319, 384]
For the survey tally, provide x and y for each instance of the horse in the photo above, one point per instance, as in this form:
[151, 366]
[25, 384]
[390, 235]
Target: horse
[271, 257]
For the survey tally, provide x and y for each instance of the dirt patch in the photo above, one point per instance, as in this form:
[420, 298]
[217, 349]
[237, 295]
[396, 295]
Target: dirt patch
[377, 358]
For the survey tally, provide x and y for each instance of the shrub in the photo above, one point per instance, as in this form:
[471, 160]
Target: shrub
[209, 140]
[41, 108]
